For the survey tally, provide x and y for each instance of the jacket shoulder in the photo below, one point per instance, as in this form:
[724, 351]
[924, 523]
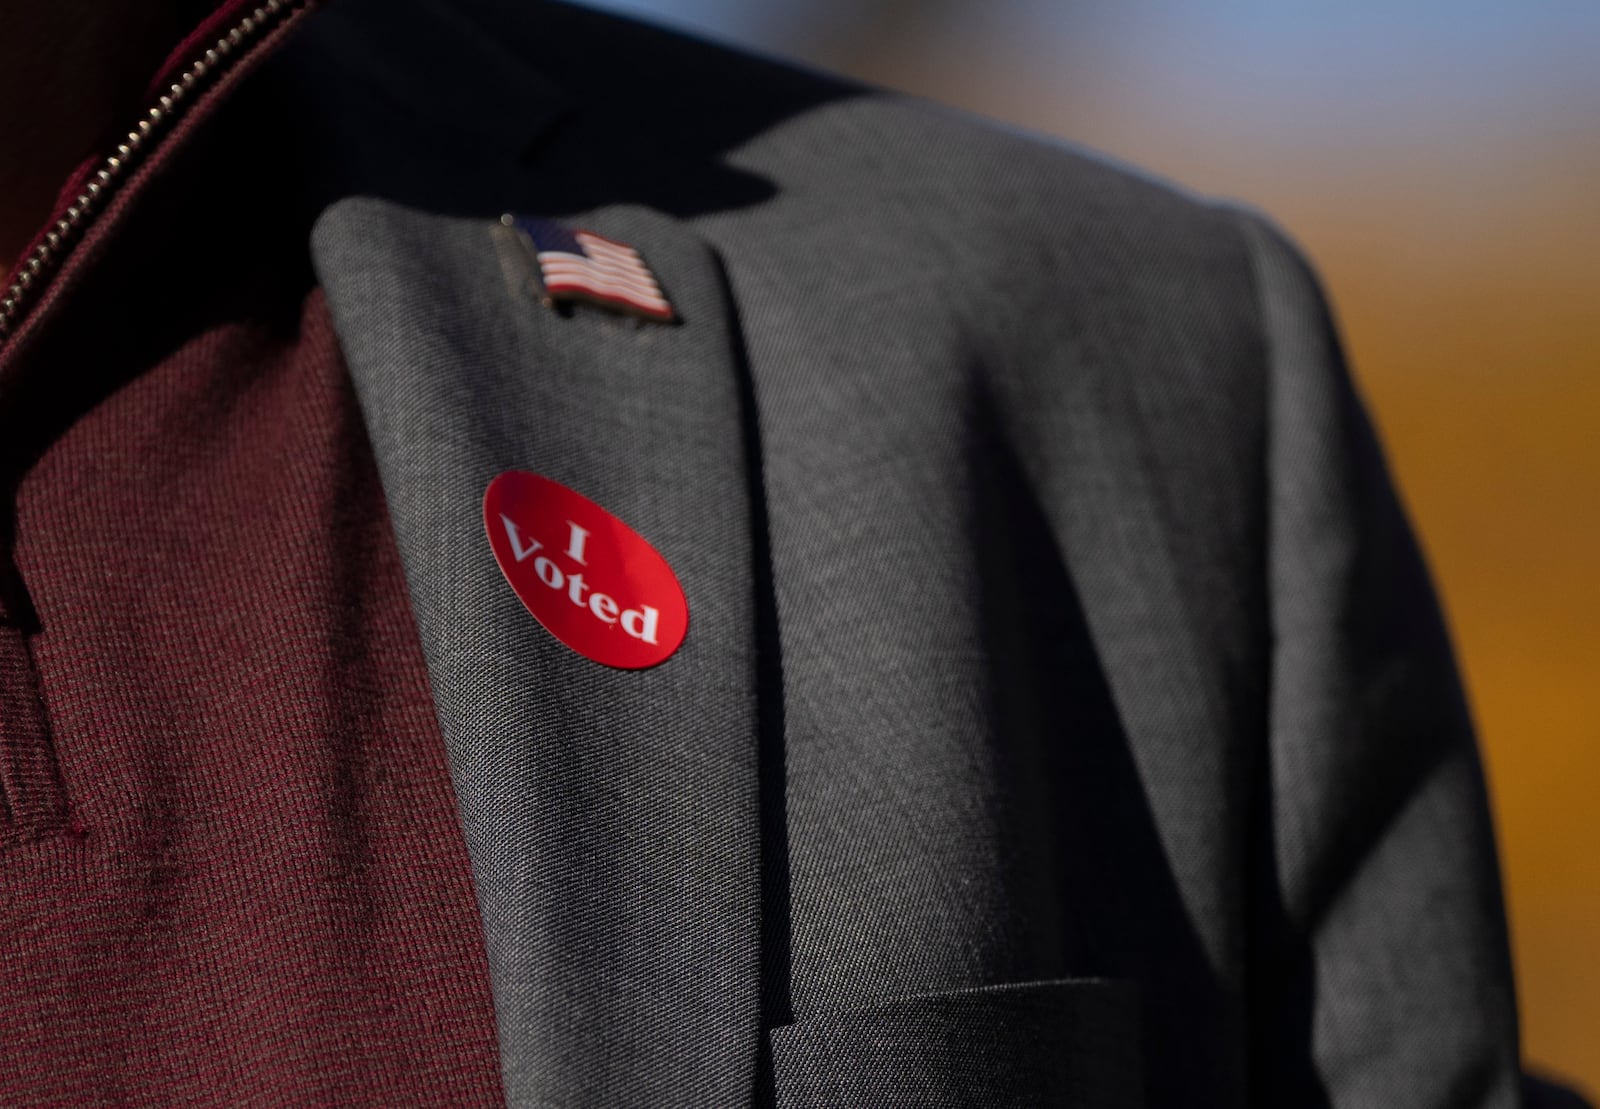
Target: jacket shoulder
[642, 99]
[795, 172]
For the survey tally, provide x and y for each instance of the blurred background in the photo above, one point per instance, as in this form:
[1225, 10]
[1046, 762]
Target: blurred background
[1441, 165]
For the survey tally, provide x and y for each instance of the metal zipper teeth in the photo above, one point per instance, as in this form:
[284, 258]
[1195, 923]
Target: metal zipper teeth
[32, 274]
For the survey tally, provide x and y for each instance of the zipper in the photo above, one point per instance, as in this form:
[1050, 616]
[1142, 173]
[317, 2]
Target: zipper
[33, 273]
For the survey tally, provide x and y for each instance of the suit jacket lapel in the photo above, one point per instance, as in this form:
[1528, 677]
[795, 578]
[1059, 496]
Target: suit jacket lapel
[611, 816]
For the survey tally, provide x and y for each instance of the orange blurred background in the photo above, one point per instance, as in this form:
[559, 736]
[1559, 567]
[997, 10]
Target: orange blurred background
[1441, 164]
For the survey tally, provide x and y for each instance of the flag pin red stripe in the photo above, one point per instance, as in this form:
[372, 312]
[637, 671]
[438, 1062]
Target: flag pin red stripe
[579, 265]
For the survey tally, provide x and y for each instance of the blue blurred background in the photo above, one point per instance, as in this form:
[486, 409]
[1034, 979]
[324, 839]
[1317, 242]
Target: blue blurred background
[1441, 163]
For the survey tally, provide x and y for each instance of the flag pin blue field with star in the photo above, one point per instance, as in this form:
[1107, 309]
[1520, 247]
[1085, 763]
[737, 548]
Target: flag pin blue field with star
[578, 265]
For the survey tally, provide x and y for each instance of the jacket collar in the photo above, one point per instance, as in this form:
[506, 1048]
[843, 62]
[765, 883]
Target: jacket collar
[611, 816]
[437, 70]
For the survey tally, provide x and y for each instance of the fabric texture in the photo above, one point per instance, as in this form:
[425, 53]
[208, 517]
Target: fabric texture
[1065, 715]
[243, 881]
[1381, 844]
[1048, 1043]
[1066, 505]
[611, 814]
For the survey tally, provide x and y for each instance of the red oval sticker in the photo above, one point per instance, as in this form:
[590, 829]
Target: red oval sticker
[590, 579]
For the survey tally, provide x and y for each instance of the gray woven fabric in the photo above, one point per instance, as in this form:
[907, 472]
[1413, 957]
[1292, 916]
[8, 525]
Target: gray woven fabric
[1384, 858]
[611, 815]
[1052, 619]
[1046, 1043]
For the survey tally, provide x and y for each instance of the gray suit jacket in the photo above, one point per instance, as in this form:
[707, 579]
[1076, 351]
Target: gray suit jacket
[1065, 717]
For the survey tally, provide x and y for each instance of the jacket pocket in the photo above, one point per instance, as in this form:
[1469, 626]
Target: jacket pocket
[1071, 1042]
[32, 802]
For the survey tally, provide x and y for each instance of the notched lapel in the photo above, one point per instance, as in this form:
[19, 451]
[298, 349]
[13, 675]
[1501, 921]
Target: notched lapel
[610, 815]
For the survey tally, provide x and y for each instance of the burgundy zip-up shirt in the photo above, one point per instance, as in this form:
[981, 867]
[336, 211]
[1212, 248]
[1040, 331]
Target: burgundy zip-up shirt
[231, 869]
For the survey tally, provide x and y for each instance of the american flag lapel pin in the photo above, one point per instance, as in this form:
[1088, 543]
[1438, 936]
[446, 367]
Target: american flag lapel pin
[575, 265]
